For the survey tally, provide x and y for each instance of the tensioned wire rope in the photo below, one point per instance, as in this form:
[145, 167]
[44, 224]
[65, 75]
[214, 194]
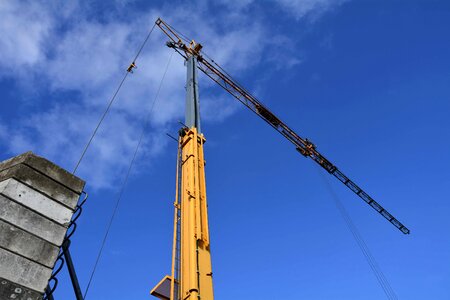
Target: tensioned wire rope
[113, 98]
[381, 278]
[125, 181]
[105, 113]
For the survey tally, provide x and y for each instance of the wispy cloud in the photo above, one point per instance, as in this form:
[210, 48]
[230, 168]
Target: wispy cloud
[308, 8]
[78, 61]
[22, 42]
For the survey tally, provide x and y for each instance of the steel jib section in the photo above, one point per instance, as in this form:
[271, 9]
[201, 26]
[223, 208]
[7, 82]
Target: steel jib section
[305, 147]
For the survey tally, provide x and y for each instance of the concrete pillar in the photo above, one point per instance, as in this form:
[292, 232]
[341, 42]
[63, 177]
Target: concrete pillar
[37, 201]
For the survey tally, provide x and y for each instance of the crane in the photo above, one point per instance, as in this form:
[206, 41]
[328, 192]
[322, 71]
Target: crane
[191, 276]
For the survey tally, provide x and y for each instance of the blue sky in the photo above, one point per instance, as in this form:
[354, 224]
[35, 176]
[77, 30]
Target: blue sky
[366, 81]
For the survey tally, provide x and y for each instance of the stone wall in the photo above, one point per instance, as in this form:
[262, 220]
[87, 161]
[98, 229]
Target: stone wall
[37, 201]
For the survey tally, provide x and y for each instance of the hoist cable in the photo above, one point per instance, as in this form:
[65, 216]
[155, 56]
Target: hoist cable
[381, 278]
[124, 183]
[362, 245]
[112, 101]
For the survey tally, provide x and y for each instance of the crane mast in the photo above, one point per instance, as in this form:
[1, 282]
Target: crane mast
[191, 276]
[196, 272]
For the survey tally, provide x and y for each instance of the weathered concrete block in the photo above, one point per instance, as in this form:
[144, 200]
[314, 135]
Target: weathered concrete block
[36, 201]
[19, 241]
[46, 167]
[43, 184]
[10, 290]
[23, 271]
[30, 221]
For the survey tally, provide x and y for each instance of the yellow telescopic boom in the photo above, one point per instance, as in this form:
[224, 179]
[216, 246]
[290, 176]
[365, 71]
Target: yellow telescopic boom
[196, 271]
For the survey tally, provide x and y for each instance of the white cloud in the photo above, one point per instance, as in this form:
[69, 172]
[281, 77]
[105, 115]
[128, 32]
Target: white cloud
[217, 109]
[61, 133]
[296, 8]
[312, 8]
[87, 56]
[23, 34]
[236, 4]
[66, 52]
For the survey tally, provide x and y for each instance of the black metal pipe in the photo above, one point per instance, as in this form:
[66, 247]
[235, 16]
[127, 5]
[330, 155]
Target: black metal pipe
[71, 269]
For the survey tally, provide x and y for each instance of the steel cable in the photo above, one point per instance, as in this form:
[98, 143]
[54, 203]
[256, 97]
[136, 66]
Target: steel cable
[143, 44]
[119, 195]
[381, 278]
[111, 101]
[49, 290]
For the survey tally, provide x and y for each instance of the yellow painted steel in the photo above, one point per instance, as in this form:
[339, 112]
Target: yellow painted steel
[191, 273]
[174, 290]
[195, 257]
